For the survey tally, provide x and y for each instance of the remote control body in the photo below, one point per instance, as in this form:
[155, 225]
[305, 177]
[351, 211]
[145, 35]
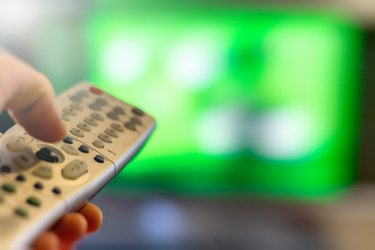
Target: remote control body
[40, 182]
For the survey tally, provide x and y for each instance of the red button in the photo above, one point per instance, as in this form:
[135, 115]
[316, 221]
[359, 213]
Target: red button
[96, 91]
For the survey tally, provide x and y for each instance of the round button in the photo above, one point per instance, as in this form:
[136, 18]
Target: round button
[76, 98]
[91, 121]
[84, 127]
[97, 116]
[105, 138]
[21, 212]
[5, 169]
[68, 140]
[95, 106]
[119, 110]
[101, 101]
[9, 188]
[130, 126]
[33, 201]
[47, 154]
[66, 117]
[77, 132]
[113, 115]
[96, 91]
[70, 111]
[20, 178]
[111, 132]
[137, 111]
[56, 190]
[99, 158]
[136, 120]
[98, 144]
[117, 127]
[84, 149]
[38, 185]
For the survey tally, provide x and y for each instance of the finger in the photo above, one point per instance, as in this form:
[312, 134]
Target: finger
[93, 215]
[71, 228]
[47, 241]
[29, 96]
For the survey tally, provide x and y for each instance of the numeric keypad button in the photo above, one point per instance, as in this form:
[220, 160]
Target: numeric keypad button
[95, 106]
[119, 110]
[84, 127]
[105, 138]
[44, 172]
[18, 143]
[98, 144]
[77, 132]
[70, 111]
[111, 132]
[117, 127]
[24, 161]
[97, 116]
[74, 170]
[69, 149]
[130, 125]
[113, 115]
[91, 121]
[137, 111]
[101, 102]
[136, 120]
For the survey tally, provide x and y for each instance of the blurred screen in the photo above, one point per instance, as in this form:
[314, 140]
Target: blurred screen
[247, 100]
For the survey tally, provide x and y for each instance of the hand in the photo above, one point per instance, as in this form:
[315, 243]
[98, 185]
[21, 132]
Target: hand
[28, 95]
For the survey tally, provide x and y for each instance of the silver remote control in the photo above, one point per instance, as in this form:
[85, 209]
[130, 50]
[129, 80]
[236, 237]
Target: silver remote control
[40, 182]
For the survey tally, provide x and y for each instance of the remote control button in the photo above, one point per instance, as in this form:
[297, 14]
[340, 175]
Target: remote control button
[69, 149]
[6, 169]
[119, 110]
[111, 132]
[20, 178]
[70, 111]
[117, 127]
[24, 161]
[130, 125]
[68, 140]
[101, 102]
[82, 93]
[47, 154]
[18, 143]
[91, 121]
[56, 190]
[33, 201]
[77, 132]
[38, 185]
[76, 98]
[84, 127]
[77, 106]
[105, 138]
[95, 106]
[98, 144]
[43, 172]
[136, 120]
[9, 188]
[21, 212]
[84, 149]
[97, 116]
[74, 170]
[99, 158]
[113, 115]
[137, 111]
[66, 117]
[96, 91]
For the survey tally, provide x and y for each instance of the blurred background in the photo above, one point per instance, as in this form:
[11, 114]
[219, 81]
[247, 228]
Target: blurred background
[265, 113]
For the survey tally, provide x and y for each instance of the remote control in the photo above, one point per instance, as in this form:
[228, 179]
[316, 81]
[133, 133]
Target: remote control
[40, 182]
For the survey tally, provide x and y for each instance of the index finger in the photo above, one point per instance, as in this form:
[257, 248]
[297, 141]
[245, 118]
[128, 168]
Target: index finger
[29, 96]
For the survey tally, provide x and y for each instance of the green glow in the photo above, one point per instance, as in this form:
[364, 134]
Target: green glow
[258, 62]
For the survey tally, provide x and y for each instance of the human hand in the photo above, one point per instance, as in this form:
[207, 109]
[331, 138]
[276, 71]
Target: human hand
[28, 95]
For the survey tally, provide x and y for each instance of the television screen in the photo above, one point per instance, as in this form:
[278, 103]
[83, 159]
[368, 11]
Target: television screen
[247, 100]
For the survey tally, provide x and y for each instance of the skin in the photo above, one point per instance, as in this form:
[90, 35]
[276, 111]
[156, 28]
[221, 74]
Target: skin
[28, 96]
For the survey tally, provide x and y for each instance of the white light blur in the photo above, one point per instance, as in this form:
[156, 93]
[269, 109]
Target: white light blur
[161, 221]
[17, 15]
[283, 134]
[125, 61]
[219, 131]
[194, 62]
